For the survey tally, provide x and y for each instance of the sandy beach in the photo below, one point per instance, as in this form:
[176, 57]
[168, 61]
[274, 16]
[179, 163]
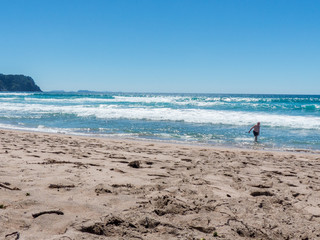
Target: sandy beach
[70, 187]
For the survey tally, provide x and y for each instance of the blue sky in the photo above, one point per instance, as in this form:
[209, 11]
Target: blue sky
[211, 46]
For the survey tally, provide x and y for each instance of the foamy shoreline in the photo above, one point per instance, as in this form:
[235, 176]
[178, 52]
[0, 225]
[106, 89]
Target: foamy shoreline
[100, 188]
[253, 147]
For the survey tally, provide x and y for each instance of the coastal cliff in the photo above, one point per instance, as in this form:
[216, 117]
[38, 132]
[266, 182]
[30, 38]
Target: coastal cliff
[17, 83]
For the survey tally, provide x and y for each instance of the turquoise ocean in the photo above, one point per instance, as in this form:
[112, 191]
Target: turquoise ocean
[288, 122]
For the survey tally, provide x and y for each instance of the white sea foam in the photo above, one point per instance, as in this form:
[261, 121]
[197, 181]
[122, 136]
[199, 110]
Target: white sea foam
[117, 99]
[69, 100]
[199, 116]
[40, 128]
[180, 100]
[8, 98]
[174, 100]
[15, 94]
[189, 101]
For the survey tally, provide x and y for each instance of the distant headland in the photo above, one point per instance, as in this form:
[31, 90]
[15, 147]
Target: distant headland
[17, 83]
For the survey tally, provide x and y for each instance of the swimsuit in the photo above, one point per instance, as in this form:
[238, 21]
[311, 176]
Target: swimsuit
[255, 133]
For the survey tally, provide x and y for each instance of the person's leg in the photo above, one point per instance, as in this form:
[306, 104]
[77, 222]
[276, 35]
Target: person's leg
[255, 136]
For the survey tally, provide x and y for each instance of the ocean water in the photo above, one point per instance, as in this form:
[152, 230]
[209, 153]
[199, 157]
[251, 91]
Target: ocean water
[288, 122]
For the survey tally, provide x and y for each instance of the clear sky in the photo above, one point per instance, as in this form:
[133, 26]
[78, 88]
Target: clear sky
[214, 46]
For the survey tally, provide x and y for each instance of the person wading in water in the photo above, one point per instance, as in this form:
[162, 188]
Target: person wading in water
[256, 131]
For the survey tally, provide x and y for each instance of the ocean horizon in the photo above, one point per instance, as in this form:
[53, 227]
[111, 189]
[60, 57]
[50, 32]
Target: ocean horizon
[288, 122]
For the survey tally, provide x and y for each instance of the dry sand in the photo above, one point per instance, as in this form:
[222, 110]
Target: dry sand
[67, 187]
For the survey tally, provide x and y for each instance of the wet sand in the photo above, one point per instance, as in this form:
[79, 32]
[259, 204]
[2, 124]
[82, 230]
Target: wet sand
[67, 187]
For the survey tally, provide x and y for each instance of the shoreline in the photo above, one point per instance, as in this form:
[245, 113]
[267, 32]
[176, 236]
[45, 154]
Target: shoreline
[59, 186]
[174, 142]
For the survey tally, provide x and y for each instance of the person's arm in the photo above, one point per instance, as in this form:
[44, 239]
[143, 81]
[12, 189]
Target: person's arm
[250, 129]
